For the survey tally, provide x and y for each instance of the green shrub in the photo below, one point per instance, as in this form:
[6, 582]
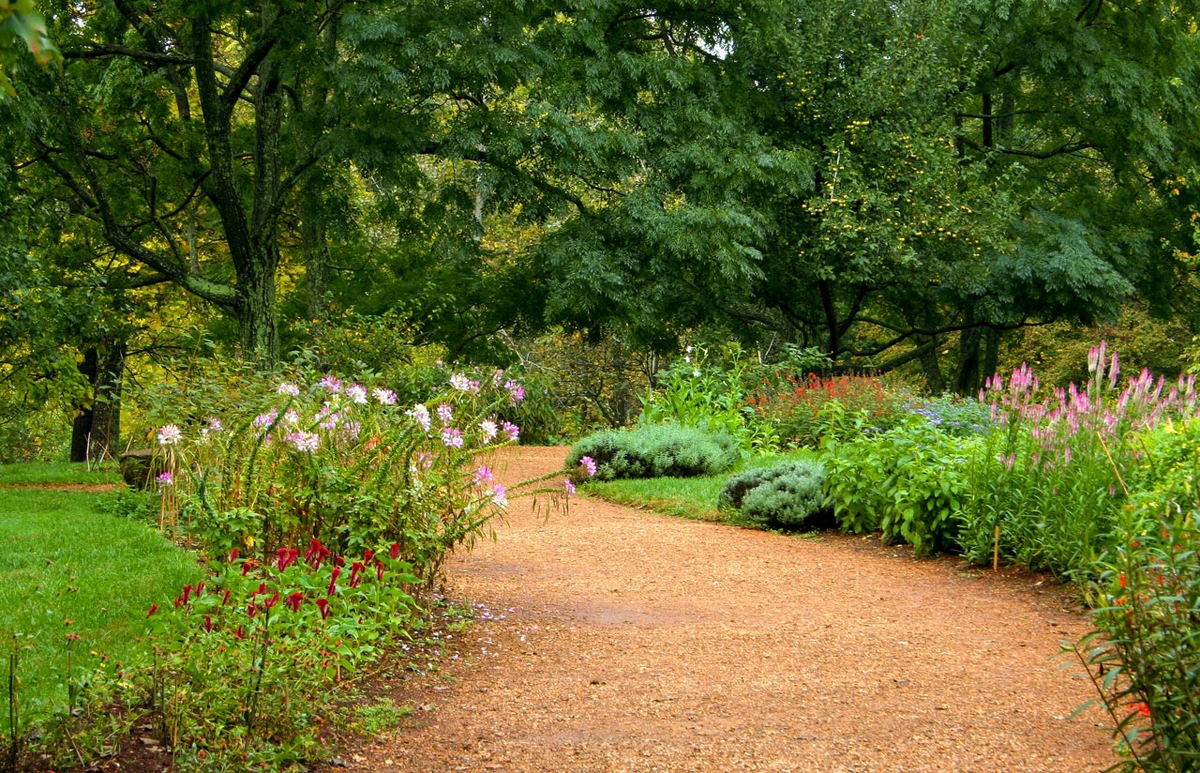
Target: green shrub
[785, 496]
[908, 482]
[710, 394]
[656, 451]
[1144, 657]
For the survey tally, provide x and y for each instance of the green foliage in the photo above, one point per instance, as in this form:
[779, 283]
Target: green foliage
[244, 662]
[22, 28]
[908, 482]
[653, 451]
[785, 496]
[1144, 657]
[709, 395]
[75, 585]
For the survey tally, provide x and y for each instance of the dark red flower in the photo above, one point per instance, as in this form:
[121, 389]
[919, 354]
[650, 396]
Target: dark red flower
[233, 554]
[207, 624]
[225, 597]
[294, 600]
[367, 556]
[395, 550]
[355, 571]
[240, 633]
[333, 581]
[323, 605]
[379, 570]
[153, 609]
[271, 601]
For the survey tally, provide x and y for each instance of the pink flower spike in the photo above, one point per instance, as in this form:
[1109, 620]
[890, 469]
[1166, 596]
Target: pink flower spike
[589, 464]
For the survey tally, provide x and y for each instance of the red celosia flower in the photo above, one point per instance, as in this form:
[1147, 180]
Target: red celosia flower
[285, 557]
[225, 597]
[233, 554]
[333, 581]
[354, 574]
[271, 601]
[240, 633]
[367, 556]
[1121, 579]
[340, 561]
[395, 550]
[153, 609]
[199, 588]
[323, 605]
[379, 570]
[294, 600]
[251, 609]
[208, 624]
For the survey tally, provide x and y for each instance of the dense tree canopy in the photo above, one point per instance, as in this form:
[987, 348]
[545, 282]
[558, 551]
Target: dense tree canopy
[893, 182]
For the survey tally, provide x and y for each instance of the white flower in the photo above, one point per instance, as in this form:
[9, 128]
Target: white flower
[384, 396]
[357, 393]
[287, 388]
[489, 429]
[169, 435]
[421, 414]
[460, 382]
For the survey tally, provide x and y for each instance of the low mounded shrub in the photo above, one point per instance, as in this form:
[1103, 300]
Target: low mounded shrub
[786, 496]
[657, 451]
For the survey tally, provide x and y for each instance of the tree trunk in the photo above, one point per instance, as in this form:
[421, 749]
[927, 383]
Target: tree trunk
[96, 430]
[967, 379]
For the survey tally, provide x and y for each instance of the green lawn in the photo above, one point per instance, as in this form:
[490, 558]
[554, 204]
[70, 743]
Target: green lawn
[64, 560]
[687, 497]
[57, 472]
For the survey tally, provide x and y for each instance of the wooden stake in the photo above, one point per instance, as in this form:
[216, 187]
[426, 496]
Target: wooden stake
[996, 552]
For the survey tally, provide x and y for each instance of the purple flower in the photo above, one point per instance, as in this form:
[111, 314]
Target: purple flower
[589, 464]
[384, 396]
[512, 430]
[452, 437]
[569, 486]
[445, 413]
[351, 430]
[460, 382]
[483, 475]
[516, 392]
[265, 419]
[304, 441]
[499, 496]
[332, 384]
[288, 388]
[169, 435]
[166, 479]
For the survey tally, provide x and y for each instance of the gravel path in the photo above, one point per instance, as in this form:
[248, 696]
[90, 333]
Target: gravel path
[615, 640]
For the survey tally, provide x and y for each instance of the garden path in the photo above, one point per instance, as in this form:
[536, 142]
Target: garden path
[616, 640]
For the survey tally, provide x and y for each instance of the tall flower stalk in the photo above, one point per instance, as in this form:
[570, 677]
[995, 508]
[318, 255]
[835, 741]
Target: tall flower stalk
[1050, 475]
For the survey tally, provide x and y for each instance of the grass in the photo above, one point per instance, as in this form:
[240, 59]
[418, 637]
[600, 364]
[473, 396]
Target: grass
[694, 498]
[65, 561]
[33, 473]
